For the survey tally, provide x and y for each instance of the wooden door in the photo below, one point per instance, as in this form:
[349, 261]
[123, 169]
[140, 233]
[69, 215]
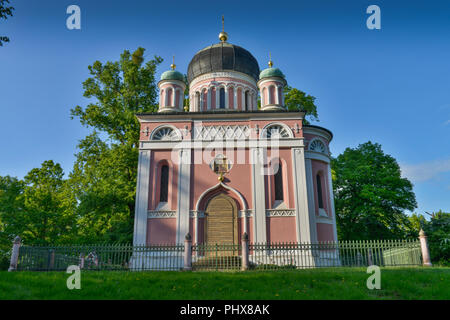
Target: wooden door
[221, 221]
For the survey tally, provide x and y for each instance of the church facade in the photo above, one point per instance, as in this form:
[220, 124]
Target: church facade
[224, 166]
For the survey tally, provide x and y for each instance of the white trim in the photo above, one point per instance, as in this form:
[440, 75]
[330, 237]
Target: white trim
[155, 130]
[142, 192]
[258, 155]
[267, 126]
[183, 196]
[317, 156]
[199, 144]
[317, 131]
[223, 74]
[280, 212]
[301, 195]
[220, 184]
[155, 214]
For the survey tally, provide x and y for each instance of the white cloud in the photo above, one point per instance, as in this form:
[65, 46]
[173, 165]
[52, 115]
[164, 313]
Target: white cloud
[446, 122]
[426, 170]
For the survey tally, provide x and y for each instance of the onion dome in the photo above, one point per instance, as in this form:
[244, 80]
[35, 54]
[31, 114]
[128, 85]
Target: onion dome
[172, 74]
[271, 72]
[223, 57]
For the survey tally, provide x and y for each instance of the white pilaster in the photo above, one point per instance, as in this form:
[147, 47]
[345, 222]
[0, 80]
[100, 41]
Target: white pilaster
[235, 94]
[226, 98]
[209, 99]
[301, 195]
[277, 100]
[330, 185]
[184, 183]
[311, 202]
[217, 97]
[258, 195]
[142, 193]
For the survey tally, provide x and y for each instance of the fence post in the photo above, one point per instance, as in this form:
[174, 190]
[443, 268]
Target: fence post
[424, 248]
[14, 254]
[188, 253]
[244, 251]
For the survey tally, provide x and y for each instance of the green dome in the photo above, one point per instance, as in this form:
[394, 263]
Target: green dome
[172, 75]
[271, 72]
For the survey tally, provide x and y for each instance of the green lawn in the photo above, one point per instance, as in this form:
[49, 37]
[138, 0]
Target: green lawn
[339, 283]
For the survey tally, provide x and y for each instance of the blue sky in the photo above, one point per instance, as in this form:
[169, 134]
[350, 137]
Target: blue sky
[390, 86]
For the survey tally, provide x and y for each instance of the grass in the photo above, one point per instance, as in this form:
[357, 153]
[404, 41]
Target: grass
[338, 283]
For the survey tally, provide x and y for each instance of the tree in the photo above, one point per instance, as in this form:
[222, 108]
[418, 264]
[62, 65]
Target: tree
[10, 223]
[295, 99]
[5, 11]
[437, 230]
[46, 218]
[370, 194]
[103, 179]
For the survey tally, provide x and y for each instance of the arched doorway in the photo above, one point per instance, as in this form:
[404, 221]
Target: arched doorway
[221, 223]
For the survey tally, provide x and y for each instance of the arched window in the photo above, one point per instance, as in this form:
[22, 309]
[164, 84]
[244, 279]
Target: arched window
[164, 186]
[319, 190]
[247, 101]
[222, 98]
[279, 183]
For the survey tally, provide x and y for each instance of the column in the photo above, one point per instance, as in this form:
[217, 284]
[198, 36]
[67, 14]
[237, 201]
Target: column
[330, 185]
[277, 96]
[142, 194]
[235, 92]
[217, 97]
[174, 96]
[183, 196]
[243, 99]
[301, 195]
[226, 98]
[209, 99]
[258, 195]
[311, 202]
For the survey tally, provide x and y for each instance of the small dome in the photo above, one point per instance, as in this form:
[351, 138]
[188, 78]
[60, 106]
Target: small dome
[271, 72]
[172, 75]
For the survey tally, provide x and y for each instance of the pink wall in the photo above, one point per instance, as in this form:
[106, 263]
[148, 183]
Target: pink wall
[161, 231]
[325, 232]
[281, 229]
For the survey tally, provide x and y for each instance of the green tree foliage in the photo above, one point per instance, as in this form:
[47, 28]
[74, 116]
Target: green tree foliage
[295, 99]
[5, 11]
[35, 208]
[103, 180]
[370, 194]
[437, 230]
[47, 217]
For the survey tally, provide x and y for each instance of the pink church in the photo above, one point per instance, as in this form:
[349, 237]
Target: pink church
[223, 166]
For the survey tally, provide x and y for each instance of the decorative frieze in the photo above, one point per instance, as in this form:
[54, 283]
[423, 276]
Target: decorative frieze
[280, 212]
[238, 132]
[161, 214]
